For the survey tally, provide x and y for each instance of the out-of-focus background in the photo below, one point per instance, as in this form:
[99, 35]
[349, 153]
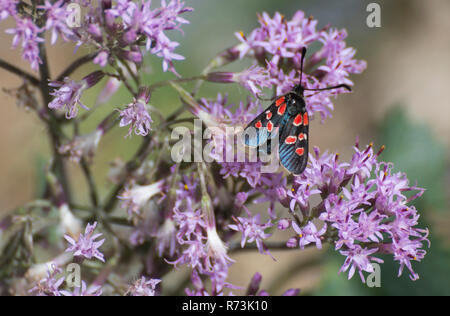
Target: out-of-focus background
[401, 101]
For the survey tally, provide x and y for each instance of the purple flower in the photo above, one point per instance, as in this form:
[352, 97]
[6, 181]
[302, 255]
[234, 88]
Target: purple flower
[7, 8]
[239, 202]
[56, 21]
[284, 224]
[372, 209]
[217, 251]
[309, 234]
[204, 250]
[253, 78]
[166, 237]
[199, 288]
[82, 146]
[86, 245]
[291, 292]
[300, 196]
[218, 284]
[137, 116]
[254, 288]
[254, 284]
[216, 112]
[250, 171]
[278, 43]
[111, 87]
[362, 162]
[193, 255]
[49, 286]
[279, 37]
[95, 32]
[27, 33]
[359, 259]
[153, 23]
[69, 94]
[137, 196]
[252, 231]
[325, 172]
[370, 227]
[102, 58]
[405, 251]
[269, 186]
[143, 287]
[190, 225]
[83, 290]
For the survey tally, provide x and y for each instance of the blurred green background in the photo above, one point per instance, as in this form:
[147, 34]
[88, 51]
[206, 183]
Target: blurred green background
[400, 101]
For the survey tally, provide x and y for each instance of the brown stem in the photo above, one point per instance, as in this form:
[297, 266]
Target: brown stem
[13, 69]
[53, 127]
[75, 65]
[271, 245]
[130, 167]
[91, 183]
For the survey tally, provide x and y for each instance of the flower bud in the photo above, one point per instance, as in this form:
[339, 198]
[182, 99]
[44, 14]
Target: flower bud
[95, 31]
[284, 224]
[133, 56]
[129, 37]
[101, 59]
[253, 287]
[111, 86]
[106, 4]
[93, 78]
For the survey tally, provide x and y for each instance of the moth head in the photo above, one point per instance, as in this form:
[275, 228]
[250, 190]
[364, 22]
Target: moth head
[296, 105]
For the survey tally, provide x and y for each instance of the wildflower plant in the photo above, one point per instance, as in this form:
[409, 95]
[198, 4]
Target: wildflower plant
[161, 214]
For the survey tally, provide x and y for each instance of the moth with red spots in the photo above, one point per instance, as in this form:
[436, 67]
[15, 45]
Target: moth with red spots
[287, 115]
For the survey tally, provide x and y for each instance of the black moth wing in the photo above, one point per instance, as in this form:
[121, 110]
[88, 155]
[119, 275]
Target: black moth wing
[293, 143]
[265, 125]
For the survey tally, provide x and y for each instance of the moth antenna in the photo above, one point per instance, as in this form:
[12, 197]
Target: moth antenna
[331, 88]
[301, 65]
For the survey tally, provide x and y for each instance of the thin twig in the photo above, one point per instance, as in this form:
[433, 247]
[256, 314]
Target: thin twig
[75, 65]
[131, 72]
[13, 69]
[54, 129]
[91, 183]
[271, 245]
[130, 167]
[121, 77]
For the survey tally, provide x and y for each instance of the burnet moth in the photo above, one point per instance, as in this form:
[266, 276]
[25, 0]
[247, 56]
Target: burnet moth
[287, 115]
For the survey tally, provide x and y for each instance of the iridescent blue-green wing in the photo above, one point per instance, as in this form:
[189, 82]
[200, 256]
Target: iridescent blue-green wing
[293, 144]
[263, 127]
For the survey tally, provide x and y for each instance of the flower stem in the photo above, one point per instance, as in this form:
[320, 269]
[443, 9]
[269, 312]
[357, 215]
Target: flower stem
[75, 65]
[13, 69]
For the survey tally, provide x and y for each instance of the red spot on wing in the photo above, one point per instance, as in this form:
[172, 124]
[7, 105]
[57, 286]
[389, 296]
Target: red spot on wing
[269, 126]
[280, 101]
[282, 109]
[301, 136]
[305, 119]
[290, 140]
[258, 124]
[300, 151]
[298, 120]
[268, 115]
